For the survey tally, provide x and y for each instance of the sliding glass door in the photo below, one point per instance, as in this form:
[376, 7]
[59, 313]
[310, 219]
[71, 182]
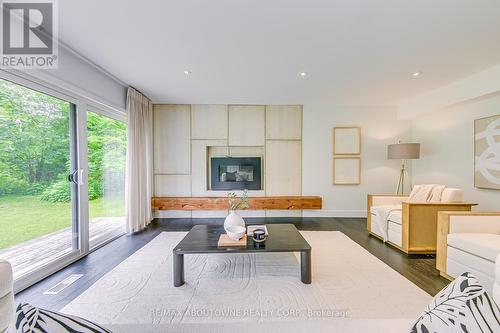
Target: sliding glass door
[106, 177]
[39, 179]
[62, 178]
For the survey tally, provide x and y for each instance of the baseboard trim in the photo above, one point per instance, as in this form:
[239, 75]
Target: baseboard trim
[334, 213]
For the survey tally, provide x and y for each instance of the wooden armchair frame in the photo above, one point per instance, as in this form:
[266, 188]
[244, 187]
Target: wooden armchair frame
[419, 223]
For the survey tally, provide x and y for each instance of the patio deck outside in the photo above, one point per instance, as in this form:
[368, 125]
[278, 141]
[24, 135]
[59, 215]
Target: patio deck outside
[33, 254]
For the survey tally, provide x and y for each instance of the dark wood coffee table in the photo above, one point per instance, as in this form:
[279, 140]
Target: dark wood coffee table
[202, 239]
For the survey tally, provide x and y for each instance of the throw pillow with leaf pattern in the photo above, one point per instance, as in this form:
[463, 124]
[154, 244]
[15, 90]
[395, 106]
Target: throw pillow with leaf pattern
[462, 306]
[30, 319]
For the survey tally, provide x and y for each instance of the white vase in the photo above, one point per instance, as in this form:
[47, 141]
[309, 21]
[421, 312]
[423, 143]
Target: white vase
[233, 219]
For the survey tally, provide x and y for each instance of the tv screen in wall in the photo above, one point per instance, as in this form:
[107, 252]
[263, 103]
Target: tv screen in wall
[235, 173]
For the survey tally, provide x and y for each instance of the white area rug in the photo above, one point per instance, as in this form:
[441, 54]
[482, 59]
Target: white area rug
[352, 291]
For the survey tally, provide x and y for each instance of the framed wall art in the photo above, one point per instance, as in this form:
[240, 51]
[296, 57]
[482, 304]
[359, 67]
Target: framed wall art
[346, 170]
[346, 140]
[487, 152]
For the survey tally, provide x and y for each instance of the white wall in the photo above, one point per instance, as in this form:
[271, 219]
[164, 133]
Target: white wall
[82, 79]
[446, 138]
[479, 84]
[379, 127]
[79, 73]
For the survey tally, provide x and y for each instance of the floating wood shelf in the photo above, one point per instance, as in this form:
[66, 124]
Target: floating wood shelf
[221, 203]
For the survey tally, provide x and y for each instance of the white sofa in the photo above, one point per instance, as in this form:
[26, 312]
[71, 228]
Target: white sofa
[6, 296]
[470, 242]
[411, 226]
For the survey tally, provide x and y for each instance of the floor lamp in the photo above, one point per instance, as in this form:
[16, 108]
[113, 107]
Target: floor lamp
[403, 152]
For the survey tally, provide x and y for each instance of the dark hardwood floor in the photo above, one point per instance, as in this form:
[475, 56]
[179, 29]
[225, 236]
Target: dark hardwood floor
[418, 269]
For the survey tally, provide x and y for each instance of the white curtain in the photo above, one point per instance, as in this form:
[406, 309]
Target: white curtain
[138, 184]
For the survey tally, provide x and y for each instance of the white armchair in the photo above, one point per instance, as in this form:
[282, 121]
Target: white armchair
[6, 296]
[394, 217]
[470, 242]
[411, 226]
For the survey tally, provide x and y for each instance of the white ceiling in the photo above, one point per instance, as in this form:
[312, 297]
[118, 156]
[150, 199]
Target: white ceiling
[248, 51]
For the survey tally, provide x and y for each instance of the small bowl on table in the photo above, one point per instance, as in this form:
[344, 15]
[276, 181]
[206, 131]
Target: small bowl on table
[236, 232]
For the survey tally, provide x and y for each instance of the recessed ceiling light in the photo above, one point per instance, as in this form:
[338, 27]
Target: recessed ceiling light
[416, 74]
[187, 72]
[303, 74]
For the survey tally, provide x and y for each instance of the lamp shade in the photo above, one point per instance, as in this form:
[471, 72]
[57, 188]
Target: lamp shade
[403, 151]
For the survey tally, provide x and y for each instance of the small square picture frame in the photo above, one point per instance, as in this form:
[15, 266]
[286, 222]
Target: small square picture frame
[347, 140]
[346, 170]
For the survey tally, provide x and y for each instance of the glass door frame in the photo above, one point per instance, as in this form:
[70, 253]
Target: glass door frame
[79, 161]
[115, 116]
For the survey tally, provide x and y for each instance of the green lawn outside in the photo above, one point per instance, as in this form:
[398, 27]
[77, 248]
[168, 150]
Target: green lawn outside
[26, 217]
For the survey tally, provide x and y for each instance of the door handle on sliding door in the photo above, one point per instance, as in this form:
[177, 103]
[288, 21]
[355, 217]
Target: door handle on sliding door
[76, 177]
[71, 177]
[79, 181]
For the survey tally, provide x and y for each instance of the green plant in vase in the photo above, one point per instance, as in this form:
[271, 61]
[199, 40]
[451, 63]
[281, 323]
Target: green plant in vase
[236, 203]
